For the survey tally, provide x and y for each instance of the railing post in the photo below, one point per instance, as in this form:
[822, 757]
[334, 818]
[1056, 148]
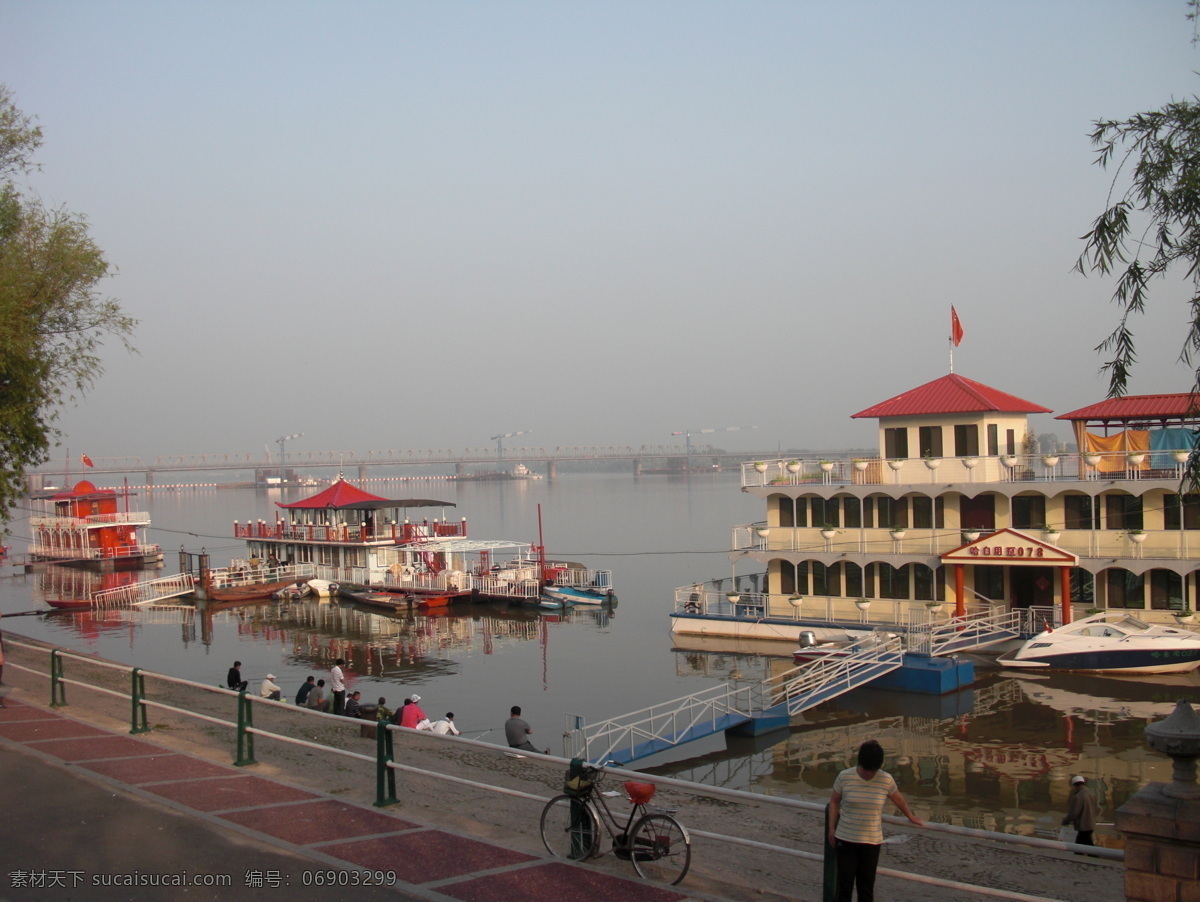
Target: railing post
[245, 739]
[829, 879]
[137, 693]
[385, 777]
[58, 689]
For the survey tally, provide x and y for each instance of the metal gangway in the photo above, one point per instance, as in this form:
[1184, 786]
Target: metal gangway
[966, 633]
[639, 734]
[145, 591]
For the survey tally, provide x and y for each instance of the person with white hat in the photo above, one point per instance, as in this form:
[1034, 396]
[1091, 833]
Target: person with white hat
[269, 689]
[412, 715]
[1082, 808]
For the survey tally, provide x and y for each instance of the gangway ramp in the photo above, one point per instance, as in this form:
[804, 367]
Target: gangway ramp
[670, 724]
[816, 682]
[965, 633]
[145, 591]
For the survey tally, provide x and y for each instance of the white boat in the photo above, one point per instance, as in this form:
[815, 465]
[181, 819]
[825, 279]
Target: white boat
[573, 595]
[324, 588]
[1109, 643]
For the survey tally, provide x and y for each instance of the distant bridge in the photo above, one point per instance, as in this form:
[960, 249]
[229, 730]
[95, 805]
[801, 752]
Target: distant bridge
[669, 458]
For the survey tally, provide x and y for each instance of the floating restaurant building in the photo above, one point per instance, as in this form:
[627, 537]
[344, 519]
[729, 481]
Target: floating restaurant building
[962, 513]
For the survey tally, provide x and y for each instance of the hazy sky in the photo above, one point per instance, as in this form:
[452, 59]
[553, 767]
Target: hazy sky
[416, 225]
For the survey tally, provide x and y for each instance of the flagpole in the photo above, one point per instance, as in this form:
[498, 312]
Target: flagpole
[951, 344]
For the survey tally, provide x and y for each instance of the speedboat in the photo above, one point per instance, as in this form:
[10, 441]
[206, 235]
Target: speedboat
[1109, 643]
[294, 592]
[573, 595]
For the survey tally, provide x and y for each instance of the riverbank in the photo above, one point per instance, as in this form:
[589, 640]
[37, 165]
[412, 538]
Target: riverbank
[719, 869]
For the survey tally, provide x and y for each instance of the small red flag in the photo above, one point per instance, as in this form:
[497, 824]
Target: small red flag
[87, 461]
[956, 329]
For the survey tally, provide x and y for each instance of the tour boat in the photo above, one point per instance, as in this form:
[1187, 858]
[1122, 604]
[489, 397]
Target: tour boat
[1108, 643]
[85, 527]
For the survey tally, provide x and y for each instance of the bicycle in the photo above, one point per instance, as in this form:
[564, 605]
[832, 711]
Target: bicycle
[656, 843]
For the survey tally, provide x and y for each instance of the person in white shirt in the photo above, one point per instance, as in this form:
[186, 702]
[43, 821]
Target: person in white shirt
[337, 686]
[442, 727]
[269, 689]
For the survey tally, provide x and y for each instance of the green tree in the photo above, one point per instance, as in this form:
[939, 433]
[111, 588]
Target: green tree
[55, 318]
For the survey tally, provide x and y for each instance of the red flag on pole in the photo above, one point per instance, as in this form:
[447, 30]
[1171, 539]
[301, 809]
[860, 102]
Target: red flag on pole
[87, 461]
[956, 329]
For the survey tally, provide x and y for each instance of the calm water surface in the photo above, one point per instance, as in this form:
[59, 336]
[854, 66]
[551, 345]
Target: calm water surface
[995, 756]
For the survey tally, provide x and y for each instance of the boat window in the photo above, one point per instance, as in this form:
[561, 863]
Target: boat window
[1080, 513]
[1124, 589]
[930, 438]
[1181, 510]
[895, 443]
[1122, 512]
[1132, 624]
[966, 440]
[1029, 511]
[1166, 590]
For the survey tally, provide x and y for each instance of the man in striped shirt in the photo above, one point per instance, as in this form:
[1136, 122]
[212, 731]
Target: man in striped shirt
[856, 821]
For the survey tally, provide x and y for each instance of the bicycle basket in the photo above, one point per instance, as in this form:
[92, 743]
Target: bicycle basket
[579, 782]
[640, 793]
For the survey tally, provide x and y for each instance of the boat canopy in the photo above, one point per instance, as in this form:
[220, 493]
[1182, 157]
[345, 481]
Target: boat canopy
[344, 496]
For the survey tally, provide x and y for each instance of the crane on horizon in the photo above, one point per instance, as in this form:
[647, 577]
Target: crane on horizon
[499, 440]
[687, 437]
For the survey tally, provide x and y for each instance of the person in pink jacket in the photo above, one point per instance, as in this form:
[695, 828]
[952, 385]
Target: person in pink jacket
[412, 716]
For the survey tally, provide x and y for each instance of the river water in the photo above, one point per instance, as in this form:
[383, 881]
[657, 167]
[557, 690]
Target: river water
[995, 756]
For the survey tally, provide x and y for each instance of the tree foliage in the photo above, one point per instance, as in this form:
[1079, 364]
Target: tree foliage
[54, 316]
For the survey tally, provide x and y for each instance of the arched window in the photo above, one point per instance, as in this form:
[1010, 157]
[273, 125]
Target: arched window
[1124, 589]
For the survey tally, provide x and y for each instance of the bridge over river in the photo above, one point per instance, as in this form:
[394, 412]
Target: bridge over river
[642, 459]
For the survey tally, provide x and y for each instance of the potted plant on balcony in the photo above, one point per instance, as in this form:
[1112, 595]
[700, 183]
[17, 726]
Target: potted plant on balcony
[1136, 535]
[827, 465]
[732, 597]
[1181, 455]
[1092, 459]
[1135, 458]
[1051, 533]
[793, 466]
[1092, 612]
[898, 532]
[933, 606]
[1050, 460]
[970, 535]
[862, 604]
[1184, 615]
[1009, 460]
[970, 462]
[861, 463]
[896, 463]
[762, 531]
[932, 462]
[828, 531]
[760, 466]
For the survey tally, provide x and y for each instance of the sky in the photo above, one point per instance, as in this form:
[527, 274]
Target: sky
[400, 225]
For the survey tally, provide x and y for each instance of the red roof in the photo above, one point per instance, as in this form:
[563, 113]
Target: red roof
[950, 394]
[340, 494]
[1183, 405]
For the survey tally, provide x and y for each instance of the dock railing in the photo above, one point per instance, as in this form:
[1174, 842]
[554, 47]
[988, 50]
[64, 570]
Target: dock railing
[145, 591]
[751, 822]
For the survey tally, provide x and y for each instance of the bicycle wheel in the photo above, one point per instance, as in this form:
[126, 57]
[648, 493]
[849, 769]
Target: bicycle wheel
[661, 849]
[570, 828]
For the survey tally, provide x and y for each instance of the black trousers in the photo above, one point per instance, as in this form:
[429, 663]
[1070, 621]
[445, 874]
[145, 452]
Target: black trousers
[339, 702]
[856, 864]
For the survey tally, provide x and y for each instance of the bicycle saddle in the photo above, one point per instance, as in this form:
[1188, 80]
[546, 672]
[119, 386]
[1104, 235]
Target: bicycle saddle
[640, 793]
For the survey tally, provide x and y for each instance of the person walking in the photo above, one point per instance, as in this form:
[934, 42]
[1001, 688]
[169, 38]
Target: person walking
[337, 685]
[1082, 808]
[856, 821]
[517, 732]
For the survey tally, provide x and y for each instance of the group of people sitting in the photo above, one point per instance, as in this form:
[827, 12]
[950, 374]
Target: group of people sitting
[312, 694]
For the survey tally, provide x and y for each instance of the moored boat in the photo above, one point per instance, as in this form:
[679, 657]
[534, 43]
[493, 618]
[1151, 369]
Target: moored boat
[572, 595]
[1109, 643]
[85, 527]
[294, 592]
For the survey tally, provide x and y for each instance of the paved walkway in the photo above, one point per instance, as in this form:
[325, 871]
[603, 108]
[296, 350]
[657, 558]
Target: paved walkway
[91, 814]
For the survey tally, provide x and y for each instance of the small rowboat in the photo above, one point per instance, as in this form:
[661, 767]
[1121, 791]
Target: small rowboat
[433, 601]
[293, 592]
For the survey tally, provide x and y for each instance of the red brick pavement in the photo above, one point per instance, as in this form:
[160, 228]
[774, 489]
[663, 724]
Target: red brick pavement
[429, 862]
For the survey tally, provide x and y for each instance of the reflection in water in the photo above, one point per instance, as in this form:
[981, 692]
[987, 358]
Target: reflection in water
[997, 756]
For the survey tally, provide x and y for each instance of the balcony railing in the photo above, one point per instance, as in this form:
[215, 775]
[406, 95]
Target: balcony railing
[345, 533]
[1173, 544]
[1062, 467]
[129, 518]
[92, 554]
